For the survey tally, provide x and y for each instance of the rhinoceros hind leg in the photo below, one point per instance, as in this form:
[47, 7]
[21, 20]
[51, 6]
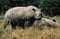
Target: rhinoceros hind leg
[13, 25]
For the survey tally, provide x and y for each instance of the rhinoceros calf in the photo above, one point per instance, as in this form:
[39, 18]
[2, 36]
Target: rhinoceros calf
[47, 22]
[19, 15]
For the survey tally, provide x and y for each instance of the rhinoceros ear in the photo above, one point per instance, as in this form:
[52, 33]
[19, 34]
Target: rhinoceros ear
[34, 9]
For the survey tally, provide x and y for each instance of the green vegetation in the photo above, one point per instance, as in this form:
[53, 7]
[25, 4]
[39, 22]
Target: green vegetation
[50, 7]
[6, 4]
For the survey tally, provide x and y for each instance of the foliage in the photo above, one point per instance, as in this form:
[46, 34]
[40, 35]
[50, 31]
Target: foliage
[6, 4]
[50, 7]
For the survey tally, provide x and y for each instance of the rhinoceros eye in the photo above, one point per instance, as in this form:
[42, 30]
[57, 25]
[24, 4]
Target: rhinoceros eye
[54, 20]
[33, 9]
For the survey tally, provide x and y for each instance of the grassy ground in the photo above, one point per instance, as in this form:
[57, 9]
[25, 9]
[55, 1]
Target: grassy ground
[30, 33]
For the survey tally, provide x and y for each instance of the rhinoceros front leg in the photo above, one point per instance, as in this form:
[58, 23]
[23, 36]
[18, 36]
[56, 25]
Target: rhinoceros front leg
[5, 23]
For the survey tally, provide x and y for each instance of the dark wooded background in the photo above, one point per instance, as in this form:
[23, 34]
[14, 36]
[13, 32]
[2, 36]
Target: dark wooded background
[49, 7]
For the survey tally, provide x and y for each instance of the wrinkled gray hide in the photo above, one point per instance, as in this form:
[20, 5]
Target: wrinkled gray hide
[20, 15]
[47, 22]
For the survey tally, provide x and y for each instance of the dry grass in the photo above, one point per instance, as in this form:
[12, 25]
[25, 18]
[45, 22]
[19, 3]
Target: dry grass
[30, 33]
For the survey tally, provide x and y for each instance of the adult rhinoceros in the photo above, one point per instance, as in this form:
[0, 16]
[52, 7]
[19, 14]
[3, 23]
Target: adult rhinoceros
[19, 15]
